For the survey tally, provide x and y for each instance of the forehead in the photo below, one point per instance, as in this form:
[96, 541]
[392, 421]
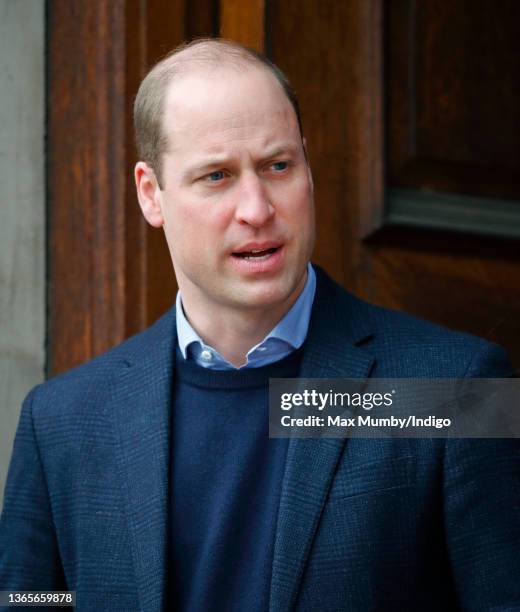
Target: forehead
[227, 104]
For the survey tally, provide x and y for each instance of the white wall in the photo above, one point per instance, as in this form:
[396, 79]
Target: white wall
[22, 210]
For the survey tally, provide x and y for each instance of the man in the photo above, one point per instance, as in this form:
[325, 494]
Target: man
[145, 480]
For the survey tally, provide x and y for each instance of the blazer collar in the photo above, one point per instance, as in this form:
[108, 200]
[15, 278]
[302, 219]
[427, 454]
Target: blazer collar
[339, 325]
[140, 404]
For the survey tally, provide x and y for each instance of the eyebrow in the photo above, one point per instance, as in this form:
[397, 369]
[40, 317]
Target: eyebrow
[205, 166]
[283, 149]
[219, 160]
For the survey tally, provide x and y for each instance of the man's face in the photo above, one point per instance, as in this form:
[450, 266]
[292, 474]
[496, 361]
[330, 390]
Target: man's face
[237, 197]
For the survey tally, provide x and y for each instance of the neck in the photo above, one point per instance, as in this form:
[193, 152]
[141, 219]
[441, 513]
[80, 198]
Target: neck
[233, 332]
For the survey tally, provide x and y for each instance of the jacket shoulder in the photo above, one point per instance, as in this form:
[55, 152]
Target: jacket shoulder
[421, 348]
[92, 378]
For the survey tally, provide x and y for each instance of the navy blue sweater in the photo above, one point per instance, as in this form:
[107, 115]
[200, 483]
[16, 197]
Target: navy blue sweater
[226, 477]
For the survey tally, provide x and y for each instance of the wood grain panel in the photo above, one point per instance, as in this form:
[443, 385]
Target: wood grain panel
[110, 274]
[243, 22]
[454, 96]
[202, 18]
[85, 184]
[465, 286]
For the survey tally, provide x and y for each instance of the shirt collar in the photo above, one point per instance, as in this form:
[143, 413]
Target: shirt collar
[289, 333]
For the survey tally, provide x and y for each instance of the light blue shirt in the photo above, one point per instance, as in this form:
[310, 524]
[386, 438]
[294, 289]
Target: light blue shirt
[288, 335]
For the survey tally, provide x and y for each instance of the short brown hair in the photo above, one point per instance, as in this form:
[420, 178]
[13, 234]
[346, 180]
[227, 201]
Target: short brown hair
[150, 140]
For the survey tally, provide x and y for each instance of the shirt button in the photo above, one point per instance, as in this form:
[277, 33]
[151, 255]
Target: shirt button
[206, 355]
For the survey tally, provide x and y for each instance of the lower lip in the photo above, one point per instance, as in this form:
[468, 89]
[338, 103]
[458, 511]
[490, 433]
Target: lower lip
[261, 266]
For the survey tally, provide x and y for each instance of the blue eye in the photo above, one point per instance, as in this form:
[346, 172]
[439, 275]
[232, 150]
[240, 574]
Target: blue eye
[214, 177]
[279, 166]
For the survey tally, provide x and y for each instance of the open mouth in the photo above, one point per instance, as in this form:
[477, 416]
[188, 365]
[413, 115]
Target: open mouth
[256, 255]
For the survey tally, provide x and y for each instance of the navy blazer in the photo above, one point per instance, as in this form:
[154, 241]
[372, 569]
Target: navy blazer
[363, 525]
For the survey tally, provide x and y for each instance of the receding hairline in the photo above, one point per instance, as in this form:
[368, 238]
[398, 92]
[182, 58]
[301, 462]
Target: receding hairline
[217, 74]
[201, 58]
[206, 53]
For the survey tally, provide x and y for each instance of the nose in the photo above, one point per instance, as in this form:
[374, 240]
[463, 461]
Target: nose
[254, 206]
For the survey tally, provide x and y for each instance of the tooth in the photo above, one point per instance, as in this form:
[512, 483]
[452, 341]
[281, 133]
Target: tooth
[261, 258]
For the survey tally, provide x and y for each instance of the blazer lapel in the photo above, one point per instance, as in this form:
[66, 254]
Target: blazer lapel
[140, 406]
[330, 351]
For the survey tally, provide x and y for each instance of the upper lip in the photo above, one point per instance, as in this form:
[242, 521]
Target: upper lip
[257, 246]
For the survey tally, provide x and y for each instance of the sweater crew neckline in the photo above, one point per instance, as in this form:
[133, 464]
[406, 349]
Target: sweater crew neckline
[190, 373]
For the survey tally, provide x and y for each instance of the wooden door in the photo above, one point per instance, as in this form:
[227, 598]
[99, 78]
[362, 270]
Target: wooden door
[411, 113]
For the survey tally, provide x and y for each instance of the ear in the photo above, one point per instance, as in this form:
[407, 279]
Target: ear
[148, 194]
[304, 141]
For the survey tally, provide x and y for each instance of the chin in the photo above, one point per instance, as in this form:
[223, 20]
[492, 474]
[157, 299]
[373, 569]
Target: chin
[270, 294]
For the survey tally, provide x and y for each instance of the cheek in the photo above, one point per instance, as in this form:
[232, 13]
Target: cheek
[180, 230]
[299, 203]
[195, 230]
